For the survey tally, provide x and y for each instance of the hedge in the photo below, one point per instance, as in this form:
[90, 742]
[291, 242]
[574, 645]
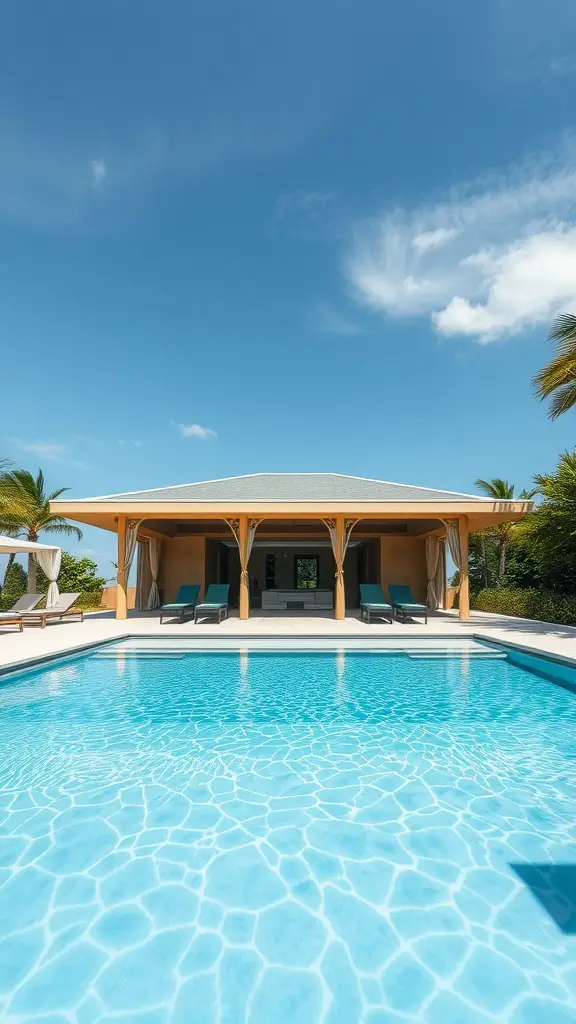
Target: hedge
[545, 605]
[89, 600]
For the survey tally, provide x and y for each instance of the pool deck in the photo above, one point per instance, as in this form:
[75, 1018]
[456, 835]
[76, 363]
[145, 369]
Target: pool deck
[62, 638]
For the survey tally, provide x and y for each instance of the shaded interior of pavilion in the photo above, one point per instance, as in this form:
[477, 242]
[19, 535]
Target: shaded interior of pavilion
[292, 564]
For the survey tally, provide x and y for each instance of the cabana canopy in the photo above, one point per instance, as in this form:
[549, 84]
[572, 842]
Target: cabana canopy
[47, 556]
[266, 535]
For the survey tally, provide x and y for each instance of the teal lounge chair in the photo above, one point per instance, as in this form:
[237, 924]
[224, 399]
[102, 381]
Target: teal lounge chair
[404, 603]
[373, 603]
[185, 603]
[215, 603]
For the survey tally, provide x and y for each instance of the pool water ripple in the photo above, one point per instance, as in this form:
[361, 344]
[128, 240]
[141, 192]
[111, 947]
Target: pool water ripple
[268, 838]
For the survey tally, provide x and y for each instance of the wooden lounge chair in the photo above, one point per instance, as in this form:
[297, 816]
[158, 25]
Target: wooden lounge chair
[215, 603]
[373, 604]
[185, 603]
[62, 610]
[13, 616]
[404, 604]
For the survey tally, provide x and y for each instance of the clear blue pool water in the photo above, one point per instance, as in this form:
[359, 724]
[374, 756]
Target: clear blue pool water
[275, 837]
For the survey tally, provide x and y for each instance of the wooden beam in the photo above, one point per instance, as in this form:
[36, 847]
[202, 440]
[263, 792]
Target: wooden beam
[464, 592]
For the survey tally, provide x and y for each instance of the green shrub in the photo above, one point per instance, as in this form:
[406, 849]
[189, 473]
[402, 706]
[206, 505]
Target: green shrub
[89, 600]
[545, 605]
[75, 574]
[15, 584]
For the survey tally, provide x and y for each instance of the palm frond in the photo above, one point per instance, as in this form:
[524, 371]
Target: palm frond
[558, 378]
[563, 331]
[66, 528]
[498, 489]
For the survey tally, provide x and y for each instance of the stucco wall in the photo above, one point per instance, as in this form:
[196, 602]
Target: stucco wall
[108, 599]
[183, 561]
[403, 560]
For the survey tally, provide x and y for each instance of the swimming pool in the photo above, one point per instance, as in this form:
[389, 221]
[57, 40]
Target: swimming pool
[273, 837]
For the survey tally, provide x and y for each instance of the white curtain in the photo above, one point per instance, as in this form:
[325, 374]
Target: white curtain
[432, 559]
[49, 562]
[441, 575]
[143, 576]
[155, 547]
[453, 537]
[130, 545]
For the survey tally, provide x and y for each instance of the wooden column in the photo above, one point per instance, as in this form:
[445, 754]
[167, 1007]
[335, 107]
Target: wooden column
[464, 595]
[244, 602]
[339, 592]
[121, 581]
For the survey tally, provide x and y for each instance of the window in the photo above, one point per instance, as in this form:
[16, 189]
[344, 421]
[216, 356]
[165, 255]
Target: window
[306, 572]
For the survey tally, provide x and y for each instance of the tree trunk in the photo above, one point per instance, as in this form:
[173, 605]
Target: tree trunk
[32, 566]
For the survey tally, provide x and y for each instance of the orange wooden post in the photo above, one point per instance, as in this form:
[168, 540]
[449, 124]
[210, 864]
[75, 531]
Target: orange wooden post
[340, 595]
[244, 602]
[121, 581]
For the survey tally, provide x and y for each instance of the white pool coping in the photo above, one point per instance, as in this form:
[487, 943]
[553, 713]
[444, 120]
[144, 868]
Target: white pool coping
[35, 645]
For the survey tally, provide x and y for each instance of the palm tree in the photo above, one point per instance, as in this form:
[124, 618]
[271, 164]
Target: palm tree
[558, 377]
[501, 490]
[25, 510]
[8, 531]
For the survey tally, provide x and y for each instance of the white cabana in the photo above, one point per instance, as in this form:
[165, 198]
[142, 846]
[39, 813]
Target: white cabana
[47, 556]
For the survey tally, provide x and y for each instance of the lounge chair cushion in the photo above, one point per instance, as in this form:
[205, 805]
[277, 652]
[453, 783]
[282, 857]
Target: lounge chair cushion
[401, 597]
[63, 607]
[372, 596]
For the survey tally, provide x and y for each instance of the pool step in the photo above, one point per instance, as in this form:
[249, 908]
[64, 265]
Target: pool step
[139, 655]
[442, 655]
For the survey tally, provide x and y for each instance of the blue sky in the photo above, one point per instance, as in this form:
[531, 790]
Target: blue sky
[248, 236]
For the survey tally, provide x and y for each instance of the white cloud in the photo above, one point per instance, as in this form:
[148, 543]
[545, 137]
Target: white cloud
[488, 262]
[43, 449]
[434, 239]
[99, 172]
[196, 430]
[331, 321]
[50, 451]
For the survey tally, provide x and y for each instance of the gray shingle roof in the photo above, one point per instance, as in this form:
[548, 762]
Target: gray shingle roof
[292, 487]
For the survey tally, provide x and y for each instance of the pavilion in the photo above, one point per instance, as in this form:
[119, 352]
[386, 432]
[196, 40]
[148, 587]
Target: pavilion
[287, 541]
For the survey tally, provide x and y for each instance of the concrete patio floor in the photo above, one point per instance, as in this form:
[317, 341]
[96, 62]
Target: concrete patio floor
[62, 638]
